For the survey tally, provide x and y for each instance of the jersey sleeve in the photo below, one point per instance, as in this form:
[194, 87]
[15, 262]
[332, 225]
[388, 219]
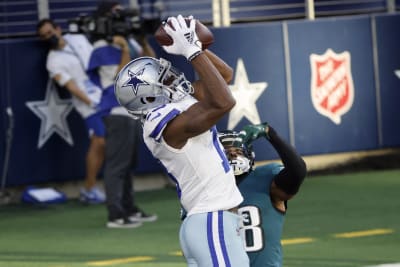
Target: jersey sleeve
[268, 171]
[55, 66]
[103, 63]
[104, 54]
[276, 168]
[157, 120]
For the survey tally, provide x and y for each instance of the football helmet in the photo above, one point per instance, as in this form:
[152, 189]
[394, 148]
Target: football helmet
[242, 162]
[146, 83]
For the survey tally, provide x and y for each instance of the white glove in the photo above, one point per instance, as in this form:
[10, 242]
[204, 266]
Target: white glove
[185, 40]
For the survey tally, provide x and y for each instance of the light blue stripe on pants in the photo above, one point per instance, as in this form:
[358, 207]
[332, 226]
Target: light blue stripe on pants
[213, 240]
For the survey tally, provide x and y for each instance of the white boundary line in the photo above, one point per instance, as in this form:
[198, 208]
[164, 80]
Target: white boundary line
[386, 265]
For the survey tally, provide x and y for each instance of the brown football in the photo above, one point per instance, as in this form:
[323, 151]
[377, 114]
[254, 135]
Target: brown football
[205, 35]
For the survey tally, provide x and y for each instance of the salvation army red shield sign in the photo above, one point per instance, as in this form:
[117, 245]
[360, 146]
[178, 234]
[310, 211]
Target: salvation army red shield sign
[332, 88]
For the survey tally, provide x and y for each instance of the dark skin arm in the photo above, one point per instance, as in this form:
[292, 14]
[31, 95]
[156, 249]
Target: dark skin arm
[278, 197]
[224, 69]
[216, 101]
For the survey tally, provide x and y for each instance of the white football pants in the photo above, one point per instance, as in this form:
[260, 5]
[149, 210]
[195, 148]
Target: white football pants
[213, 240]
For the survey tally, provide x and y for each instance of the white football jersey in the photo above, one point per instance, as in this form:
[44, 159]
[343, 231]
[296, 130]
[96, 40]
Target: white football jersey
[200, 169]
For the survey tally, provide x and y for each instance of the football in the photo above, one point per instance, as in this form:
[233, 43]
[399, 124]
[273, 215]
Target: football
[205, 35]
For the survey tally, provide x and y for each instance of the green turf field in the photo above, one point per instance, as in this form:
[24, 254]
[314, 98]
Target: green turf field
[349, 220]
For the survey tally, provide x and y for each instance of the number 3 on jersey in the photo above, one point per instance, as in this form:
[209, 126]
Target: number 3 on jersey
[251, 229]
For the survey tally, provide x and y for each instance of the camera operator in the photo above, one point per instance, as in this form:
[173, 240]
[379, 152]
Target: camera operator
[66, 64]
[122, 131]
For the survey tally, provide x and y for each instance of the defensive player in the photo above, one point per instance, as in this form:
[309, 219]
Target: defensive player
[180, 131]
[266, 190]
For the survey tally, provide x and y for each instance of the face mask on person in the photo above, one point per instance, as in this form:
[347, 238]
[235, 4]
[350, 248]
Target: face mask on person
[52, 42]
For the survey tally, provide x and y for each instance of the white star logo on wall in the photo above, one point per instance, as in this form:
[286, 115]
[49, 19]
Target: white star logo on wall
[397, 72]
[246, 95]
[52, 112]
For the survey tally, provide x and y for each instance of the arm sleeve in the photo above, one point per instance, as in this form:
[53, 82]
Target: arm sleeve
[56, 67]
[291, 177]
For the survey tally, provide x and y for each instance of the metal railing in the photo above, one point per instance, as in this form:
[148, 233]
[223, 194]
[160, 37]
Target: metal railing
[19, 17]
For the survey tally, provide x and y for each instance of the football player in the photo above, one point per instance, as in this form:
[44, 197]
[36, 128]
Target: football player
[266, 190]
[179, 130]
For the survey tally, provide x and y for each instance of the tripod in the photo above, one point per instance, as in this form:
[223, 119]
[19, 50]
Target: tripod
[5, 197]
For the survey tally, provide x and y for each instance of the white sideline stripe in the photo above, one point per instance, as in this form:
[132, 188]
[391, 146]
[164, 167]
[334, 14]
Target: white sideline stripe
[386, 265]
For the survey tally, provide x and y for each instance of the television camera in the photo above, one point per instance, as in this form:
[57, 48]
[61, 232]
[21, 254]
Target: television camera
[122, 22]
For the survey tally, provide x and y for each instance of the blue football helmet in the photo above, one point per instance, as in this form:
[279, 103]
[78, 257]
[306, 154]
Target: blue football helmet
[241, 163]
[146, 83]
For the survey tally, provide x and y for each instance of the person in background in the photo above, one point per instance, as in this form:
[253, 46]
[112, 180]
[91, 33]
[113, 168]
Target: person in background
[179, 130]
[66, 63]
[265, 188]
[123, 133]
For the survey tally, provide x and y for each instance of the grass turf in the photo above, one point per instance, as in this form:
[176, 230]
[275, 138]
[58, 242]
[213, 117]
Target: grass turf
[73, 235]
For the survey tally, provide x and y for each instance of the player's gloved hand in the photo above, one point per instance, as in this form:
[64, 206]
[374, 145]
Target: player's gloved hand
[250, 133]
[185, 40]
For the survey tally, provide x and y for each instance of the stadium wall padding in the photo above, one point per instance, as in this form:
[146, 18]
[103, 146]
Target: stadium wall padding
[327, 86]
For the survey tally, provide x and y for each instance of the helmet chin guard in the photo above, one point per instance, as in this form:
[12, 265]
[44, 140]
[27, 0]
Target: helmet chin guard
[240, 165]
[146, 83]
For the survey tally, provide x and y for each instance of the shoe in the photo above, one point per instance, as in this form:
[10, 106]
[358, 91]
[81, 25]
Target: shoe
[140, 216]
[123, 223]
[92, 196]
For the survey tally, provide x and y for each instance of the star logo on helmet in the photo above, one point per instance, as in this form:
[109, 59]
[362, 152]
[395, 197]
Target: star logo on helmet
[134, 82]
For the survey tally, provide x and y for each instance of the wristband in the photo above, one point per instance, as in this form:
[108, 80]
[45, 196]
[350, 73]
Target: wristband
[195, 55]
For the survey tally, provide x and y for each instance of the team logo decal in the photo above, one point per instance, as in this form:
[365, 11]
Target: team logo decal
[52, 112]
[133, 81]
[246, 94]
[332, 88]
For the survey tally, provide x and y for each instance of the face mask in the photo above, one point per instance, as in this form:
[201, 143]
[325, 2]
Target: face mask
[53, 41]
[240, 165]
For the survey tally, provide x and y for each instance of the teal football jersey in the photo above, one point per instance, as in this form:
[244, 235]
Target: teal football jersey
[262, 222]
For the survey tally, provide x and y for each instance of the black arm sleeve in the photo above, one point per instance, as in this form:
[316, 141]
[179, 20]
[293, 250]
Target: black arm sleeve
[292, 176]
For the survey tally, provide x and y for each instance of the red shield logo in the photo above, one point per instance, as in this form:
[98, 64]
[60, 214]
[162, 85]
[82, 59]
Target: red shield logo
[332, 88]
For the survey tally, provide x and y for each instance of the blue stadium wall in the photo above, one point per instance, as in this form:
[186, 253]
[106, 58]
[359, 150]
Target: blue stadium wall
[327, 86]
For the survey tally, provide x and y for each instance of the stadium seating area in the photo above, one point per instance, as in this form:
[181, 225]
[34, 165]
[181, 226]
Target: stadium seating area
[19, 17]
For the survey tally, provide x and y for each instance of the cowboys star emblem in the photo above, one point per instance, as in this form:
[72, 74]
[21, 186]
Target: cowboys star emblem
[246, 95]
[52, 112]
[133, 81]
